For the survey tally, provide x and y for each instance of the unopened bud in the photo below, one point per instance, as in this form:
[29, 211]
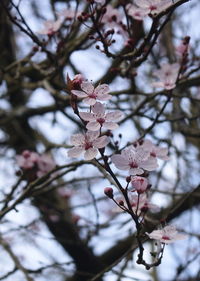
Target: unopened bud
[108, 192]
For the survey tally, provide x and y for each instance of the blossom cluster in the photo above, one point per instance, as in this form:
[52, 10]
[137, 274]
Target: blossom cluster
[96, 118]
[34, 165]
[141, 8]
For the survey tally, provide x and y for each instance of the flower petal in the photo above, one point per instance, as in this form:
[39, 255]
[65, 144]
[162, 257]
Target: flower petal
[101, 142]
[75, 152]
[87, 116]
[87, 87]
[90, 153]
[114, 116]
[102, 89]
[79, 94]
[89, 101]
[110, 125]
[120, 162]
[77, 139]
[98, 108]
[93, 126]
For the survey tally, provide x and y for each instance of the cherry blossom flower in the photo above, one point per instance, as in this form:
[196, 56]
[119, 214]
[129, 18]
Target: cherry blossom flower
[27, 160]
[166, 235]
[155, 151]
[139, 184]
[140, 203]
[50, 27]
[168, 75]
[90, 94]
[37, 164]
[136, 12]
[182, 48]
[135, 160]
[45, 164]
[153, 7]
[88, 144]
[98, 118]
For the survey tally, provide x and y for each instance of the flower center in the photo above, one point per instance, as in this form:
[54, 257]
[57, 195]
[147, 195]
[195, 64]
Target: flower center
[153, 154]
[93, 95]
[165, 237]
[133, 165]
[101, 121]
[88, 145]
[152, 7]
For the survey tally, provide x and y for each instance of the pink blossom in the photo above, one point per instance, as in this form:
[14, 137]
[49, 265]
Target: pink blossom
[135, 160]
[167, 75]
[27, 160]
[45, 164]
[139, 184]
[182, 48]
[155, 151]
[135, 12]
[166, 235]
[90, 94]
[141, 203]
[88, 144]
[50, 27]
[153, 7]
[98, 118]
[37, 164]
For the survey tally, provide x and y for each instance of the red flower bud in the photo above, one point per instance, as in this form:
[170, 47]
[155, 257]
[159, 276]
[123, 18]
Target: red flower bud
[108, 192]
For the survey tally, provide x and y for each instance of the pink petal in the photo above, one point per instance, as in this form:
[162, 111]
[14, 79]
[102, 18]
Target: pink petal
[114, 116]
[92, 135]
[135, 171]
[93, 126]
[77, 139]
[75, 152]
[120, 162]
[110, 125]
[87, 116]
[87, 87]
[89, 101]
[150, 164]
[104, 97]
[98, 108]
[79, 94]
[90, 153]
[102, 89]
[101, 142]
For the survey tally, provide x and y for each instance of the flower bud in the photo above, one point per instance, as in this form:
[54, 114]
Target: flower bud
[108, 192]
[140, 184]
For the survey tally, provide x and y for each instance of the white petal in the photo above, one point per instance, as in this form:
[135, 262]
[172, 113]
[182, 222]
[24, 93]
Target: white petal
[87, 116]
[110, 125]
[101, 142]
[135, 171]
[114, 116]
[79, 94]
[87, 87]
[150, 164]
[77, 139]
[93, 126]
[98, 108]
[120, 162]
[104, 97]
[102, 89]
[92, 135]
[90, 153]
[75, 152]
[89, 101]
